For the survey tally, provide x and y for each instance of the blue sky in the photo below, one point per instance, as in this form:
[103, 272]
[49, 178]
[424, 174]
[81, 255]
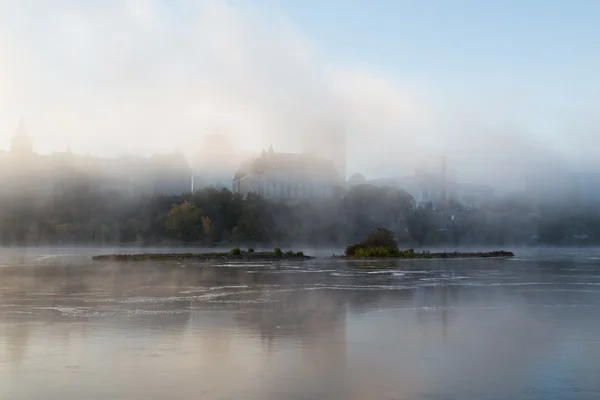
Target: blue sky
[460, 42]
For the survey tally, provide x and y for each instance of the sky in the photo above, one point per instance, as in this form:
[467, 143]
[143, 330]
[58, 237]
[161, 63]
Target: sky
[501, 88]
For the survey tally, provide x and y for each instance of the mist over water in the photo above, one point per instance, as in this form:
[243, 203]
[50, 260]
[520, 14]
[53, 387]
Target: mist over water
[478, 329]
[139, 125]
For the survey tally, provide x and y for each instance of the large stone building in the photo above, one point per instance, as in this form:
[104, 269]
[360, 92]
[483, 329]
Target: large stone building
[286, 176]
[23, 170]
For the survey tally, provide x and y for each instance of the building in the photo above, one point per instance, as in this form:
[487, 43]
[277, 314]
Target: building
[24, 171]
[474, 196]
[216, 163]
[21, 143]
[435, 188]
[287, 176]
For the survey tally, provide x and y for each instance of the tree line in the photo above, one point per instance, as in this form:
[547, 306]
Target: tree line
[79, 215]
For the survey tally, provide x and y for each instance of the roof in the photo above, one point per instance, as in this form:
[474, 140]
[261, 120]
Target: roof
[286, 161]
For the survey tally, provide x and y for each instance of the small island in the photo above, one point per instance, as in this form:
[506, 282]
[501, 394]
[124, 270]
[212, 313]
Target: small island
[380, 244]
[234, 254]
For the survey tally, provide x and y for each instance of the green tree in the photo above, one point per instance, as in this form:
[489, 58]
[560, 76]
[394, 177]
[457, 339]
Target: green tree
[184, 222]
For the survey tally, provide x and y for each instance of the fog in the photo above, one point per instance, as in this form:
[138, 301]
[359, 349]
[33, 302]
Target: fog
[121, 97]
[139, 77]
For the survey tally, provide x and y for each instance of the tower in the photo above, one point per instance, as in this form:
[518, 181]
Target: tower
[21, 144]
[444, 180]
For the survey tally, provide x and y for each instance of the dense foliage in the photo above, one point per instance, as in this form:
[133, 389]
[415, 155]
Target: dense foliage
[205, 217]
[80, 215]
[381, 244]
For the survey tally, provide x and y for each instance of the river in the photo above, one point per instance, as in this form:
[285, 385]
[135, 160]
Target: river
[522, 328]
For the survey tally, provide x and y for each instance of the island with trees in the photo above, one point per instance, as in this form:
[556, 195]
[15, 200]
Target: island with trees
[382, 244]
[235, 254]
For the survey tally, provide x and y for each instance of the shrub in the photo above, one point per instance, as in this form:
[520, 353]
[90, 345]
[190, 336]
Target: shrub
[380, 238]
[380, 251]
[277, 252]
[300, 254]
[410, 253]
[289, 253]
[380, 243]
[236, 251]
[353, 249]
[250, 250]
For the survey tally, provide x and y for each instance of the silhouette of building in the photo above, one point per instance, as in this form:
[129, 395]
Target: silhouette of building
[287, 176]
[21, 143]
[436, 187]
[23, 170]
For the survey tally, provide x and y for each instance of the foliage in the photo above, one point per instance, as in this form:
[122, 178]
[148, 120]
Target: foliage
[420, 223]
[387, 252]
[79, 213]
[250, 250]
[379, 251]
[277, 252]
[234, 253]
[183, 221]
[380, 243]
[206, 226]
[380, 237]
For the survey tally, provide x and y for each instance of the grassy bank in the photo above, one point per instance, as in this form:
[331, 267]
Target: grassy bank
[233, 254]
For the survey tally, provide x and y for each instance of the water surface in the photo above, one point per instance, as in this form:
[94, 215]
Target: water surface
[526, 328]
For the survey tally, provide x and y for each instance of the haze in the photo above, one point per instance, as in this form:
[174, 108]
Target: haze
[501, 88]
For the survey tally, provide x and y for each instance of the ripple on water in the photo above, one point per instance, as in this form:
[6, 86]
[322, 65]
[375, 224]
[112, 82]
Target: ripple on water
[291, 271]
[341, 274]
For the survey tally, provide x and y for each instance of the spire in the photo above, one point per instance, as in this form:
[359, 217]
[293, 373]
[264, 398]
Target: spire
[271, 149]
[21, 131]
[21, 144]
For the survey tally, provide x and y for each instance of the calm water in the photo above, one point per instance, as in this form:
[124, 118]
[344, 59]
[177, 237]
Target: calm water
[527, 328]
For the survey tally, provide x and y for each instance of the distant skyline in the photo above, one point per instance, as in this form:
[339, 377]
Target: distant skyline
[501, 87]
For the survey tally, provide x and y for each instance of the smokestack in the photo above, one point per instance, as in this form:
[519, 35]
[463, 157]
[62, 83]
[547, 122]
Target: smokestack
[444, 178]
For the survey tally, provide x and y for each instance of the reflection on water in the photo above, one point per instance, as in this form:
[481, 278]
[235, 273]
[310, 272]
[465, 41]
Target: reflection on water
[456, 329]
